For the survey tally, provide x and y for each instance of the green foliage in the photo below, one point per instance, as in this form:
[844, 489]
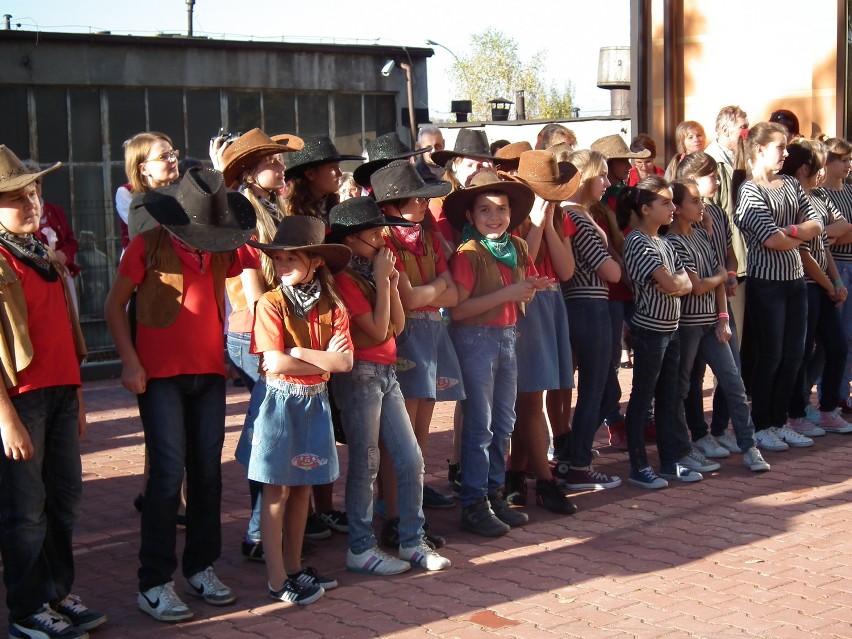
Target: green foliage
[493, 69]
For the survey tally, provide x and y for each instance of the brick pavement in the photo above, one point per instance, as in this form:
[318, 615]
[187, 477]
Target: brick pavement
[737, 555]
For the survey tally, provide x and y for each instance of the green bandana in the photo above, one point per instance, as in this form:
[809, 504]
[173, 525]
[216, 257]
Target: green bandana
[502, 249]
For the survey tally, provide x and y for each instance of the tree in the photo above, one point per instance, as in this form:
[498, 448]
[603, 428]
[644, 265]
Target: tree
[493, 69]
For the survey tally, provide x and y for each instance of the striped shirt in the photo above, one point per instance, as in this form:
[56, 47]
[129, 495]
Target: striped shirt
[763, 211]
[720, 238]
[589, 254]
[826, 213]
[655, 310]
[698, 255]
[841, 199]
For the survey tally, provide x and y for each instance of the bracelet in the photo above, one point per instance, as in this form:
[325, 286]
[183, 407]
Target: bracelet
[724, 316]
[794, 230]
[838, 282]
[732, 273]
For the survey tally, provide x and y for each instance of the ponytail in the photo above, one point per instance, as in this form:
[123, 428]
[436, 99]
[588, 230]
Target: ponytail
[631, 199]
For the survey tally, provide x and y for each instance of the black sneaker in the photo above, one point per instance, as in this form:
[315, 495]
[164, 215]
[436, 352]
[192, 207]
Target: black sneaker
[504, 512]
[336, 520]
[516, 487]
[315, 528]
[433, 539]
[291, 592]
[550, 496]
[454, 476]
[309, 577]
[479, 519]
[45, 623]
[389, 538]
[78, 614]
[252, 550]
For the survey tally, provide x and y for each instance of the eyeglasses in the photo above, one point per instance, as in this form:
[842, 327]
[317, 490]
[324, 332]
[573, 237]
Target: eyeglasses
[168, 156]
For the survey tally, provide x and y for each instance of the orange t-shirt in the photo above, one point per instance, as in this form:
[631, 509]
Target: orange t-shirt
[384, 353]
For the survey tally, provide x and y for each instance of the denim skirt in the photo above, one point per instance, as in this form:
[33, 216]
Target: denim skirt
[426, 363]
[543, 345]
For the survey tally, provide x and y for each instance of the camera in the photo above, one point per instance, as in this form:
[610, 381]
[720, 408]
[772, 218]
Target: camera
[226, 138]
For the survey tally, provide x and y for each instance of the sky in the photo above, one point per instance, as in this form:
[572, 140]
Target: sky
[571, 35]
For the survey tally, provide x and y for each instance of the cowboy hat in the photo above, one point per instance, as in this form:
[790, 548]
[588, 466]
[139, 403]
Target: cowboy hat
[14, 174]
[400, 180]
[458, 203]
[470, 143]
[358, 214]
[381, 152]
[294, 142]
[316, 150]
[613, 147]
[550, 180]
[306, 233]
[248, 149]
[506, 158]
[200, 211]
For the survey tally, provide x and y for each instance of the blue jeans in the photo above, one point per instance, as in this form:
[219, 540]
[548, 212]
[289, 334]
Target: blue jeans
[701, 341]
[611, 401]
[40, 502]
[590, 343]
[490, 373]
[184, 422]
[656, 356]
[372, 408]
[845, 271]
[779, 312]
[246, 363]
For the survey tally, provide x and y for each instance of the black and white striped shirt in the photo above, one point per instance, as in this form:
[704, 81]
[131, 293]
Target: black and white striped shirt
[841, 199]
[655, 310]
[763, 211]
[826, 213]
[721, 237]
[698, 255]
[589, 254]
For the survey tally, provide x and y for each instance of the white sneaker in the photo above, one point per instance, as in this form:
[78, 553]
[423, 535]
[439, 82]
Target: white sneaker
[696, 461]
[162, 603]
[374, 561]
[812, 414]
[832, 422]
[423, 556]
[792, 438]
[206, 584]
[728, 441]
[804, 426]
[767, 439]
[710, 447]
[753, 460]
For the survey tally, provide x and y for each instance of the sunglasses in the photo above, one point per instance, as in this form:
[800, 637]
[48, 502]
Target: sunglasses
[168, 156]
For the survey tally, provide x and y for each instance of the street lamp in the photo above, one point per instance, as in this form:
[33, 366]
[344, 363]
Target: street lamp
[432, 43]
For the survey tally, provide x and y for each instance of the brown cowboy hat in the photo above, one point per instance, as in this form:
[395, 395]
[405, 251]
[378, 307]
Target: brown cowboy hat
[293, 141]
[200, 211]
[613, 147]
[248, 149]
[506, 159]
[458, 203]
[550, 180]
[306, 233]
[14, 174]
[470, 143]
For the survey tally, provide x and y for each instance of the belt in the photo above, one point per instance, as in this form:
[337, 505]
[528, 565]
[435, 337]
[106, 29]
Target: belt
[295, 389]
[434, 316]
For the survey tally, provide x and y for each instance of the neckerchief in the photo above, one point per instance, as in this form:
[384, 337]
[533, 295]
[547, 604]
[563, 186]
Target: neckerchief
[411, 238]
[364, 268]
[303, 297]
[501, 249]
[31, 251]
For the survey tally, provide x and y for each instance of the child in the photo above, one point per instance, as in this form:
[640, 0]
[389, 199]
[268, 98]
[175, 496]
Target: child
[494, 275]
[176, 369]
[370, 402]
[301, 331]
[41, 421]
[703, 328]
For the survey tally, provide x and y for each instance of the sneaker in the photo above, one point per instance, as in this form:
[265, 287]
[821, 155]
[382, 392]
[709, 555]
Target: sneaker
[79, 615]
[163, 604]
[728, 441]
[646, 478]
[695, 460]
[315, 528]
[812, 414]
[753, 460]
[433, 539]
[423, 556]
[846, 405]
[252, 550]
[335, 520]
[804, 426]
[679, 472]
[709, 447]
[587, 479]
[139, 502]
[434, 499]
[291, 592]
[792, 438]
[479, 519]
[550, 496]
[832, 422]
[505, 513]
[375, 562]
[309, 577]
[767, 439]
[454, 476]
[206, 584]
[45, 623]
[617, 434]
[516, 487]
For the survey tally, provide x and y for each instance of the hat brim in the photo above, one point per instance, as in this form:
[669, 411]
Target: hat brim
[506, 164]
[299, 169]
[442, 157]
[25, 179]
[247, 159]
[292, 142]
[339, 231]
[435, 189]
[335, 256]
[552, 191]
[364, 172]
[520, 196]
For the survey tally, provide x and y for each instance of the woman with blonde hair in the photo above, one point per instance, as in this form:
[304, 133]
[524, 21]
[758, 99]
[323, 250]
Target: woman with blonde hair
[150, 161]
[689, 138]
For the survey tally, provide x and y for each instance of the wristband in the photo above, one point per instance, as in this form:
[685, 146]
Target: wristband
[838, 282]
[732, 273]
[794, 230]
[723, 316]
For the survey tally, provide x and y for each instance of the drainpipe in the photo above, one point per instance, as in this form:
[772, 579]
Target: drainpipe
[189, 7]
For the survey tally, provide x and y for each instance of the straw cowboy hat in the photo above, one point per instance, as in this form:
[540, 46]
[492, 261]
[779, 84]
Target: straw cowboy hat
[470, 143]
[400, 180]
[358, 214]
[316, 150]
[252, 146]
[306, 233]
[613, 147]
[550, 180]
[381, 152]
[458, 203]
[14, 174]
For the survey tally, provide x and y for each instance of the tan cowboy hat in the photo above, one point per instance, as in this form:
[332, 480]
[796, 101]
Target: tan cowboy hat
[613, 147]
[248, 149]
[550, 180]
[459, 202]
[288, 139]
[506, 158]
[14, 174]
[306, 233]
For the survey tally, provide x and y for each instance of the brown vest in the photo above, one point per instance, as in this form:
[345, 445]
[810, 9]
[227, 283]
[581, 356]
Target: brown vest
[159, 297]
[410, 260]
[487, 278]
[359, 338]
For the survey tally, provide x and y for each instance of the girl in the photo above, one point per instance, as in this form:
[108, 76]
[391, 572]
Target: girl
[775, 219]
[658, 280]
[301, 332]
[704, 319]
[585, 298]
[689, 138]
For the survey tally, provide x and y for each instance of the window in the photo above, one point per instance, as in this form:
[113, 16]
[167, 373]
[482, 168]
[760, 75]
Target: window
[126, 117]
[86, 125]
[203, 117]
[52, 118]
[165, 114]
[14, 128]
[313, 114]
[243, 112]
[279, 112]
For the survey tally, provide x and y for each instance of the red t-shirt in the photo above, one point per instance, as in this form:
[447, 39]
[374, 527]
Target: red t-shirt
[440, 262]
[268, 335]
[54, 360]
[358, 304]
[241, 321]
[194, 343]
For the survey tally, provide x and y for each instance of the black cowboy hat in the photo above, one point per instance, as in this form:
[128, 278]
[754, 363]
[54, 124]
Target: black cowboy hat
[381, 152]
[400, 180]
[316, 150]
[470, 143]
[306, 233]
[358, 214]
[459, 202]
